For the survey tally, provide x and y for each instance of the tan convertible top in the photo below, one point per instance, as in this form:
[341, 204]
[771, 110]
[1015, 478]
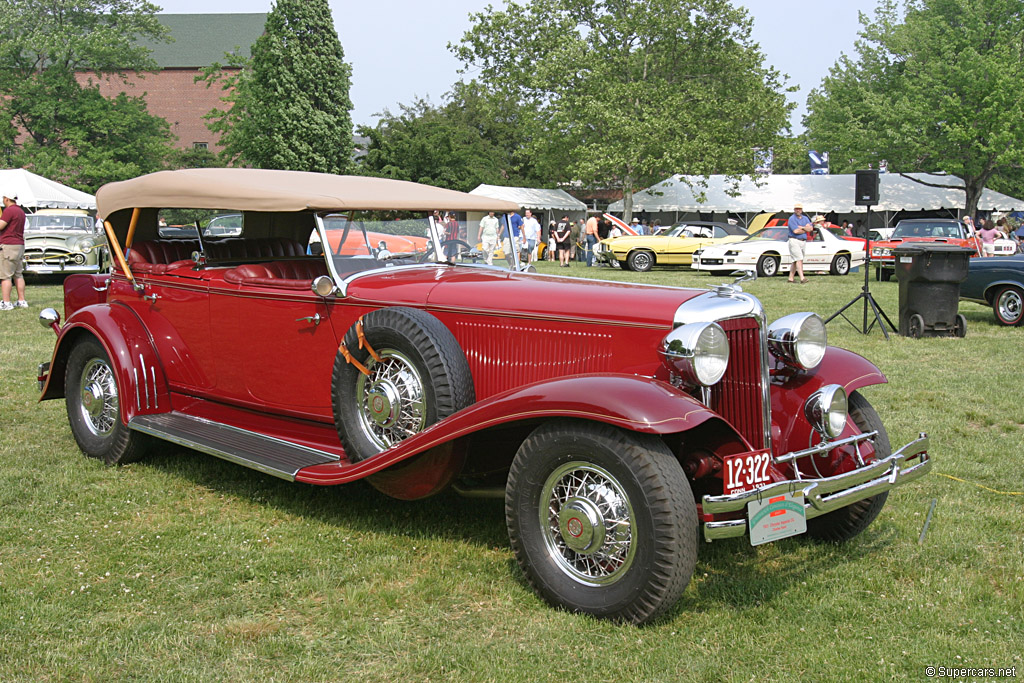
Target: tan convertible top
[250, 189]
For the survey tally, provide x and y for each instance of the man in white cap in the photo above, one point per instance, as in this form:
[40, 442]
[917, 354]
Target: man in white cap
[12, 251]
[799, 225]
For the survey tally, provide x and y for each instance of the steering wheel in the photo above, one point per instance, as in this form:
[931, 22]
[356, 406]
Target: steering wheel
[444, 244]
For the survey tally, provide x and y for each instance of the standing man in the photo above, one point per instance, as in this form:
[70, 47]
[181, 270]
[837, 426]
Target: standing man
[12, 251]
[531, 231]
[510, 235]
[799, 225]
[489, 236]
[591, 236]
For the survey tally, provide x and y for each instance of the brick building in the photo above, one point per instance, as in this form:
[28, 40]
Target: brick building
[199, 40]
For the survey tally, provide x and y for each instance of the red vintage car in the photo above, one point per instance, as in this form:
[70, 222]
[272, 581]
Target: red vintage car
[613, 419]
[941, 230]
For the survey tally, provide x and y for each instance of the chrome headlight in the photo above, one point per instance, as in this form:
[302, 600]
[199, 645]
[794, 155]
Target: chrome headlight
[698, 352]
[83, 244]
[881, 251]
[798, 340]
[826, 409]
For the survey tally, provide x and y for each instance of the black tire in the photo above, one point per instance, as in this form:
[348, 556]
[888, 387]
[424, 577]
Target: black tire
[843, 524]
[883, 274]
[624, 264]
[1008, 305]
[767, 265]
[433, 381]
[629, 573]
[960, 327]
[915, 326]
[840, 264]
[93, 405]
[640, 261]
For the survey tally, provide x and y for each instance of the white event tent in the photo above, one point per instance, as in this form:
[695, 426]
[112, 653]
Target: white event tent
[36, 192]
[817, 193]
[547, 205]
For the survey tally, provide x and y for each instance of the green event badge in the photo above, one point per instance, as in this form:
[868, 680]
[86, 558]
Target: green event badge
[777, 517]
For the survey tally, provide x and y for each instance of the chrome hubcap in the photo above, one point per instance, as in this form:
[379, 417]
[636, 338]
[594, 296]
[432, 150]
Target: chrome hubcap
[585, 517]
[1010, 305]
[393, 399]
[99, 397]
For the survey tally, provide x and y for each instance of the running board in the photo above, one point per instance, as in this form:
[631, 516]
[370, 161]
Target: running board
[263, 453]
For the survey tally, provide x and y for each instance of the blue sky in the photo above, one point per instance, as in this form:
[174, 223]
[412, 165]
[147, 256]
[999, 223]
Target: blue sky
[398, 51]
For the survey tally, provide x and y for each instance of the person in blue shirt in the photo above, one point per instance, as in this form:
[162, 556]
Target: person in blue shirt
[514, 220]
[799, 225]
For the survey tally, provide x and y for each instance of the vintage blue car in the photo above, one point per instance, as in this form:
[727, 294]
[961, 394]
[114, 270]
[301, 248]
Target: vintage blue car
[997, 282]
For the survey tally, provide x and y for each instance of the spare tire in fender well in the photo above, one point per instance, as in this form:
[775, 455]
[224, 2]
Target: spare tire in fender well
[399, 371]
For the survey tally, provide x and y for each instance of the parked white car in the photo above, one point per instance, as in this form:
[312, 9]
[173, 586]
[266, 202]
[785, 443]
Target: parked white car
[767, 252]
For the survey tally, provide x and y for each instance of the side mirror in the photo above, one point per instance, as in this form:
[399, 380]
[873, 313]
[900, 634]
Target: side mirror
[323, 286]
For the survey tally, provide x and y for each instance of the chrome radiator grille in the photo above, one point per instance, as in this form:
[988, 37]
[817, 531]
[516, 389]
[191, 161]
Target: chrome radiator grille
[739, 397]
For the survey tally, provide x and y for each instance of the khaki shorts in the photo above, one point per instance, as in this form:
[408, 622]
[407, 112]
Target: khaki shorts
[796, 249]
[11, 256]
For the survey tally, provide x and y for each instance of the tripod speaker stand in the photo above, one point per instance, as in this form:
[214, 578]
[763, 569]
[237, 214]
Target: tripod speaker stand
[865, 294]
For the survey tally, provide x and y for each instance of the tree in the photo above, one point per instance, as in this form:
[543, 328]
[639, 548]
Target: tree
[630, 92]
[935, 88]
[290, 102]
[58, 126]
[467, 141]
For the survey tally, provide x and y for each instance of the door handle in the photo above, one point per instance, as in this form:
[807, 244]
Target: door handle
[315, 319]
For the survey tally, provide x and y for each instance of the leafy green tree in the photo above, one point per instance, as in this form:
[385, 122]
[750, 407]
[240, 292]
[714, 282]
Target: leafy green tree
[290, 103]
[58, 126]
[467, 141]
[630, 92]
[935, 87]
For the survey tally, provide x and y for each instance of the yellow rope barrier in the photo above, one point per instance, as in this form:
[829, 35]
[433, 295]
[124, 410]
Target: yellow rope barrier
[980, 486]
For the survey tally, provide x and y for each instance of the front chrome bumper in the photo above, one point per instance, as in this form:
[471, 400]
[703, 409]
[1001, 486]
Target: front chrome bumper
[827, 494]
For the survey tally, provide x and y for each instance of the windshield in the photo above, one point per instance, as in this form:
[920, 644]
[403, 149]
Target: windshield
[927, 229]
[49, 222]
[776, 233]
[362, 240]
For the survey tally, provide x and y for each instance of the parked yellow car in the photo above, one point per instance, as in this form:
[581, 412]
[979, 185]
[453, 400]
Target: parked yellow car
[673, 247]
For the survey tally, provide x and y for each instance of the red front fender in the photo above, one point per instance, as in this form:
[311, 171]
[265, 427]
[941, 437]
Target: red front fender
[140, 376]
[791, 430]
[639, 404]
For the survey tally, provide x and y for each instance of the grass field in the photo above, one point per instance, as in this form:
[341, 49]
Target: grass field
[186, 568]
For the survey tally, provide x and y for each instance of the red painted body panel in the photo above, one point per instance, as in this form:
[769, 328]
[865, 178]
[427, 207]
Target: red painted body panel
[83, 289]
[790, 429]
[635, 403]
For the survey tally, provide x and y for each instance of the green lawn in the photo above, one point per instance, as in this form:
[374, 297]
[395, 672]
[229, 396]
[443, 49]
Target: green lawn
[187, 568]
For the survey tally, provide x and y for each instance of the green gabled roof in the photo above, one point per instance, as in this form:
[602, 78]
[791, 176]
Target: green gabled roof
[202, 39]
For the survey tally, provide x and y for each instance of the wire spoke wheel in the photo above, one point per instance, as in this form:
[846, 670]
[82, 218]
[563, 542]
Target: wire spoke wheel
[393, 402]
[98, 402]
[587, 516]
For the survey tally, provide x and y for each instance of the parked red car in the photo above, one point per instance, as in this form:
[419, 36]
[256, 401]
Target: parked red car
[612, 418]
[943, 230]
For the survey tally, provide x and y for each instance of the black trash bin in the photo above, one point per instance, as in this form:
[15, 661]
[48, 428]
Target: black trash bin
[930, 274]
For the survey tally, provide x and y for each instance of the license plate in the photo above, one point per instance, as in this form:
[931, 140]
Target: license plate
[746, 471]
[776, 517]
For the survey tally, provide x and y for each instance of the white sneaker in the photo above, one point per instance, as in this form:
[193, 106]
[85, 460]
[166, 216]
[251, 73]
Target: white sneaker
[21, 304]
[6, 306]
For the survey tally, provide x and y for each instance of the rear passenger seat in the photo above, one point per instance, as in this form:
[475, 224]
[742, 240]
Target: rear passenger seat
[159, 256]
